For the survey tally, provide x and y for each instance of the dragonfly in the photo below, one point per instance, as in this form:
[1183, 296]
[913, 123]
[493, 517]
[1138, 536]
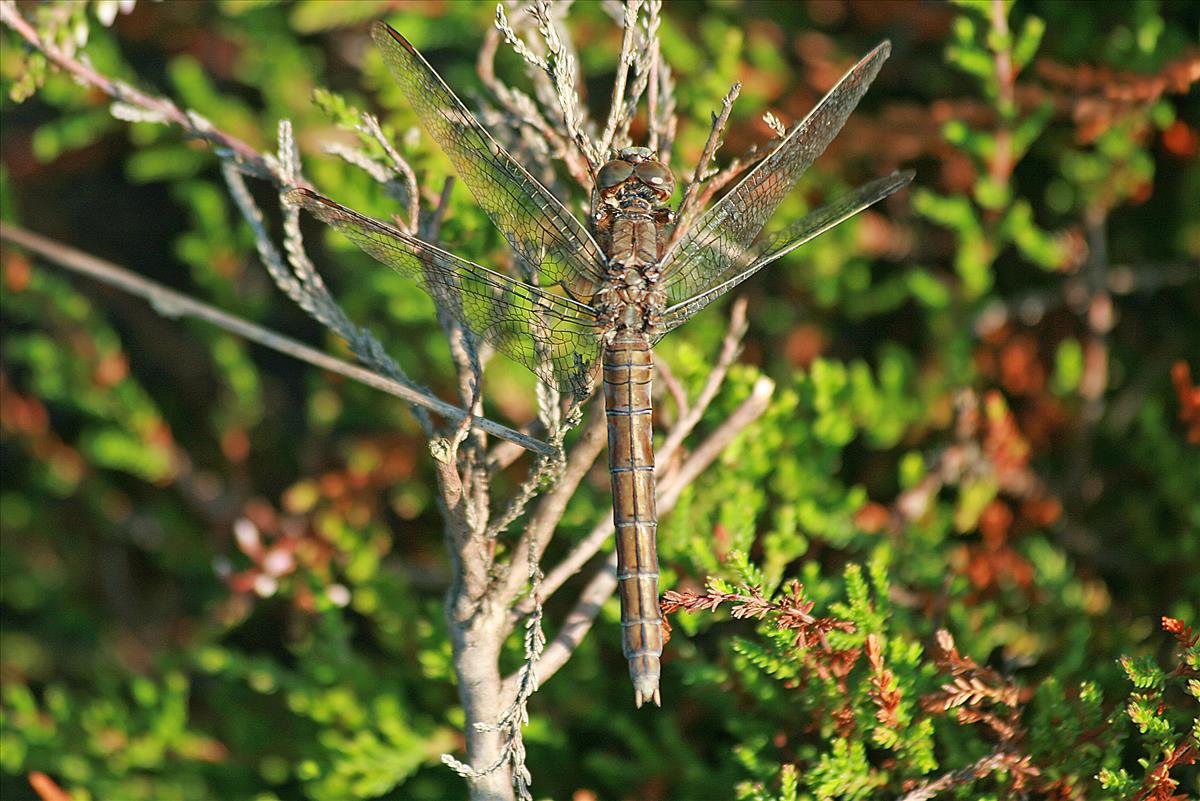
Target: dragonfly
[607, 288]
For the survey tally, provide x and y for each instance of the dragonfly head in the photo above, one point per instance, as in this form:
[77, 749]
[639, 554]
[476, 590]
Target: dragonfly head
[635, 170]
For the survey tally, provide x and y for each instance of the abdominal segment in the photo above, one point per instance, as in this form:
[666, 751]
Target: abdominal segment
[628, 373]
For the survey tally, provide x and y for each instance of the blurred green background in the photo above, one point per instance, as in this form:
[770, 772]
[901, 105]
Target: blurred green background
[987, 420]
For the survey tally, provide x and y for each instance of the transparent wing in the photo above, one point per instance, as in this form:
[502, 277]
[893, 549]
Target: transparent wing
[703, 257]
[785, 241]
[541, 231]
[553, 336]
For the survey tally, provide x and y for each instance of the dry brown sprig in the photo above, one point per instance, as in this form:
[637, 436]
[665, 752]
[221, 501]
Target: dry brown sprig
[691, 204]
[843, 720]
[972, 688]
[1000, 760]
[884, 692]
[1189, 400]
[1184, 633]
[964, 691]
[1159, 784]
[1097, 97]
[949, 659]
[793, 612]
[1176, 77]
[46, 788]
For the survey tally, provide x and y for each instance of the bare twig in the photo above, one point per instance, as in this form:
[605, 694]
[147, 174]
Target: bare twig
[523, 110]
[667, 120]
[706, 453]
[158, 109]
[645, 59]
[503, 454]
[664, 373]
[616, 109]
[724, 176]
[432, 227]
[560, 66]
[400, 165]
[691, 415]
[174, 304]
[551, 507]
[653, 20]
[1002, 162]
[719, 121]
[997, 760]
[579, 556]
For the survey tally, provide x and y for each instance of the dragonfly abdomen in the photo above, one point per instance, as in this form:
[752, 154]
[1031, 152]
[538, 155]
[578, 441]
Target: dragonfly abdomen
[628, 374]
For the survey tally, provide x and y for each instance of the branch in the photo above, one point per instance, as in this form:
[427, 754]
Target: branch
[667, 121]
[503, 454]
[560, 66]
[575, 626]
[550, 509]
[371, 125]
[664, 374]
[160, 109]
[579, 621]
[616, 109]
[752, 408]
[304, 287]
[175, 304]
[303, 284]
[652, 105]
[719, 121]
[723, 177]
[997, 760]
[523, 110]
[690, 417]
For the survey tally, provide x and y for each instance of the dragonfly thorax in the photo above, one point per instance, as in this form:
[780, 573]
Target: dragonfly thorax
[630, 221]
[630, 303]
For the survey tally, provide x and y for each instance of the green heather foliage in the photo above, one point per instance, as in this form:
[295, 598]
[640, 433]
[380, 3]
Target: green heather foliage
[959, 556]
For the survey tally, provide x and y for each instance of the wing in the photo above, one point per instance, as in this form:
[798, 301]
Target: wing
[553, 336]
[539, 228]
[780, 244]
[718, 241]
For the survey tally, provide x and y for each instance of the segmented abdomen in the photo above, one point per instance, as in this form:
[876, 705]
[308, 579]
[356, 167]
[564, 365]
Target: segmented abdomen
[628, 373]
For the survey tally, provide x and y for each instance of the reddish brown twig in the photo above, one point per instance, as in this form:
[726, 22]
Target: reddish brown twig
[971, 689]
[793, 611]
[884, 692]
[1159, 785]
[1189, 400]
[46, 788]
[996, 761]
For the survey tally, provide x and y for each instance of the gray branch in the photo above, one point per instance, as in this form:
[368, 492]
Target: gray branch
[174, 304]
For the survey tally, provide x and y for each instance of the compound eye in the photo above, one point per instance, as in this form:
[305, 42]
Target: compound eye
[655, 174]
[613, 174]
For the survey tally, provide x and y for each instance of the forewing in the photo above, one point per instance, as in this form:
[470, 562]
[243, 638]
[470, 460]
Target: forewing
[718, 241]
[553, 336]
[785, 241]
[542, 232]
